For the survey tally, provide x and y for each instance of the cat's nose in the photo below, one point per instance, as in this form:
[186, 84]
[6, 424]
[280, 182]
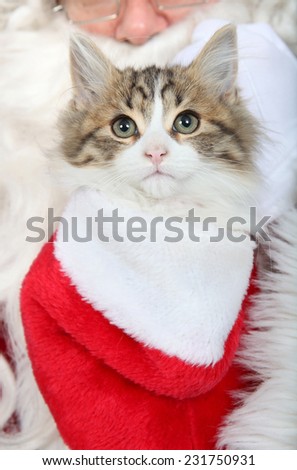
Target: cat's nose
[156, 156]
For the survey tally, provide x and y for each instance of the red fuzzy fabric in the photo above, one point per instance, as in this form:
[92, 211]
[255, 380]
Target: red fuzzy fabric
[108, 391]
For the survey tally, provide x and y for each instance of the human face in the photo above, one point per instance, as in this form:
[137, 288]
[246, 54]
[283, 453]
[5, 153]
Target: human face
[138, 20]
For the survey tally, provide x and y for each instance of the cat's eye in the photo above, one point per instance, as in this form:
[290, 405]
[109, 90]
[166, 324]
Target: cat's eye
[124, 127]
[186, 123]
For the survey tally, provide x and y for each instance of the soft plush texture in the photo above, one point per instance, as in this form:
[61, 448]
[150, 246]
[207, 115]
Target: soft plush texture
[110, 387]
[266, 418]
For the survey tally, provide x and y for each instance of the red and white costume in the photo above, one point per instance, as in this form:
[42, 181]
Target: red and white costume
[133, 344]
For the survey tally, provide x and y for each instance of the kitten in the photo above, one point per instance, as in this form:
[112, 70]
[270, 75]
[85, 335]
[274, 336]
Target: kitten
[164, 138]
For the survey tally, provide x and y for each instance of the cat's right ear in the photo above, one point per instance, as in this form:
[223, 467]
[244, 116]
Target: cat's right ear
[90, 70]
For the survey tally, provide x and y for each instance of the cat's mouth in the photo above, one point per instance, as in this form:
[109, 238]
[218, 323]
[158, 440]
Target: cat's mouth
[157, 173]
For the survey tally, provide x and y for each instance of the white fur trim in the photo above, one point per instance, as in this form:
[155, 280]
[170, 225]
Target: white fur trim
[267, 418]
[8, 389]
[182, 298]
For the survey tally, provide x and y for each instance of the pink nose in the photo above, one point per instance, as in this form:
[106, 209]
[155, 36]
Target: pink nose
[156, 156]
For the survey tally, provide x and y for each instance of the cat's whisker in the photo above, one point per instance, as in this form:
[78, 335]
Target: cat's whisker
[115, 181]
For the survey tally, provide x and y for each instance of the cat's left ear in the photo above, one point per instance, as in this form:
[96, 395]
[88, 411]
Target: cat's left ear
[90, 70]
[218, 62]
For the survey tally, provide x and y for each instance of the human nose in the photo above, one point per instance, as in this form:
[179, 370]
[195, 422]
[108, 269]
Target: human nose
[139, 20]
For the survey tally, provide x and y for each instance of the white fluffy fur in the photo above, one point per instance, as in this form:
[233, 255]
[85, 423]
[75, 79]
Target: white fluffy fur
[34, 82]
[267, 418]
[8, 389]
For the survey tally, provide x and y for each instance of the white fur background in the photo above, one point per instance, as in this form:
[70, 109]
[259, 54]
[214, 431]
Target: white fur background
[34, 84]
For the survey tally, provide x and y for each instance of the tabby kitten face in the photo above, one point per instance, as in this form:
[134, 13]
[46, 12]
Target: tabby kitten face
[161, 134]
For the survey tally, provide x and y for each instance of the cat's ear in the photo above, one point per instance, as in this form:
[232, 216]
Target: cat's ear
[218, 62]
[90, 70]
